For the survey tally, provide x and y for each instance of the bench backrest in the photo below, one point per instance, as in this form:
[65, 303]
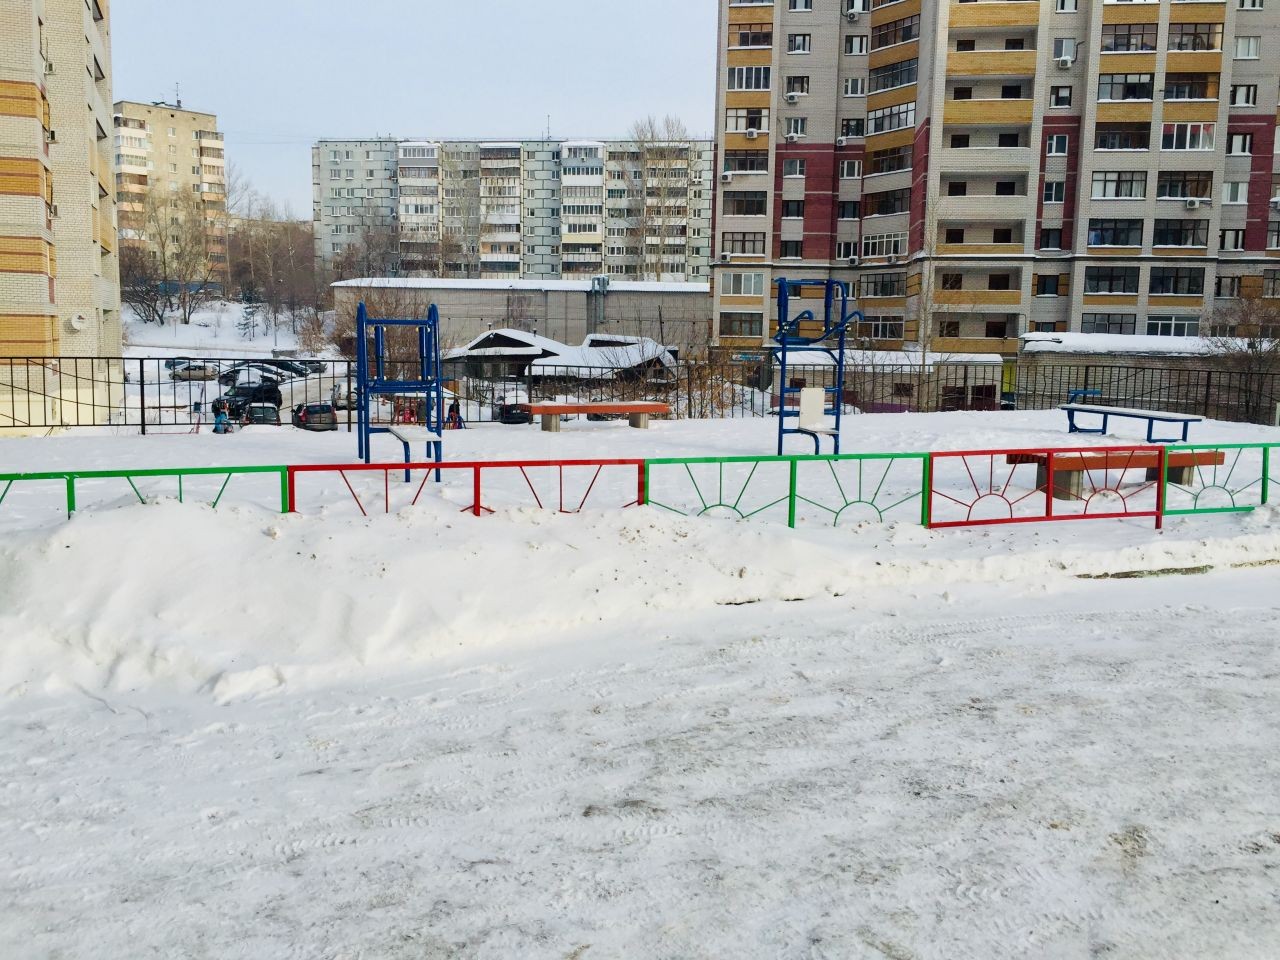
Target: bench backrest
[812, 407]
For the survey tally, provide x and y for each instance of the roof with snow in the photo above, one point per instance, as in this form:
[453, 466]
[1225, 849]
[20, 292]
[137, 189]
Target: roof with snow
[891, 359]
[600, 352]
[1117, 343]
[535, 286]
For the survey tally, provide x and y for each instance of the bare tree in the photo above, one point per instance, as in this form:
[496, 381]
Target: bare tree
[662, 159]
[1244, 333]
[167, 265]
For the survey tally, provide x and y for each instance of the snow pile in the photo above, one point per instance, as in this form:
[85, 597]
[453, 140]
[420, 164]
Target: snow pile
[1118, 343]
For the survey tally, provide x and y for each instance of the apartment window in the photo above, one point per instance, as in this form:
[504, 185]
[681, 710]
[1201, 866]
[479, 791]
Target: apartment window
[739, 119]
[1128, 37]
[999, 281]
[966, 46]
[1181, 233]
[1011, 91]
[749, 243]
[1273, 235]
[886, 203]
[1231, 239]
[953, 235]
[1047, 284]
[1249, 4]
[1173, 326]
[1066, 6]
[1226, 288]
[959, 141]
[751, 35]
[882, 285]
[1064, 47]
[793, 168]
[1115, 233]
[958, 188]
[1244, 95]
[896, 31]
[846, 249]
[799, 4]
[1195, 36]
[884, 245]
[1059, 96]
[748, 78]
[855, 45]
[1178, 184]
[890, 160]
[1187, 136]
[1178, 281]
[1239, 144]
[793, 209]
[892, 118]
[1121, 323]
[1051, 238]
[792, 249]
[797, 126]
[854, 87]
[1002, 235]
[893, 75]
[1191, 86]
[962, 93]
[1247, 48]
[847, 210]
[1055, 191]
[1110, 184]
[173, 132]
[853, 127]
[850, 169]
[1015, 43]
[1110, 279]
[948, 328]
[737, 323]
[1056, 145]
[881, 328]
[799, 42]
[1271, 283]
[1008, 140]
[743, 284]
[953, 281]
[1235, 191]
[746, 161]
[745, 203]
[1122, 136]
[1125, 86]
[798, 85]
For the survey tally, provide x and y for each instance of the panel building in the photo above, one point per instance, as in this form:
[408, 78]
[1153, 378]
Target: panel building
[981, 170]
[526, 209]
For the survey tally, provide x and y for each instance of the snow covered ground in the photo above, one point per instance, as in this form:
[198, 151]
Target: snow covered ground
[629, 733]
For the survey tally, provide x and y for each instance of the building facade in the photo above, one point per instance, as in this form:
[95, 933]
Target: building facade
[524, 209]
[161, 146]
[977, 171]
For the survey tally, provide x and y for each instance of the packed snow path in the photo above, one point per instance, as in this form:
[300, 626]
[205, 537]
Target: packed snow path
[1085, 772]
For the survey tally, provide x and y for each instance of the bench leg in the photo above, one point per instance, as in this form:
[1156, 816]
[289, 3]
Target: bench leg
[551, 422]
[407, 454]
[638, 420]
[1182, 476]
[1067, 484]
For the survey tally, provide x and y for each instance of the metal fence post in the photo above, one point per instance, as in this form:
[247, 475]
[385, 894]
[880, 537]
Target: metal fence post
[142, 393]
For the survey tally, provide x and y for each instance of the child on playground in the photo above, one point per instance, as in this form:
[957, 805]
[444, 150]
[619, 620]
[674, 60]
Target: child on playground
[454, 421]
[221, 422]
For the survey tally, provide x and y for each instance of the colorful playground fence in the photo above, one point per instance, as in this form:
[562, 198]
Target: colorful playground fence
[1223, 478]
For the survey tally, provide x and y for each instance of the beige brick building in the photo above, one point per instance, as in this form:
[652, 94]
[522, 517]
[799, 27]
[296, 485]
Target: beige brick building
[59, 273]
[980, 170]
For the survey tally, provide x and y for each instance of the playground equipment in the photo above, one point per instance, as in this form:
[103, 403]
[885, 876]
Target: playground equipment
[373, 379]
[812, 408]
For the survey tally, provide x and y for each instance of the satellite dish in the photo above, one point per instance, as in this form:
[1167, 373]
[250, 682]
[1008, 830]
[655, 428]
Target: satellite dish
[76, 323]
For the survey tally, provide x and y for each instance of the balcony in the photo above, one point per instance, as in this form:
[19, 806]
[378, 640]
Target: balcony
[984, 207]
[987, 159]
[1003, 13]
[982, 249]
[991, 63]
[988, 112]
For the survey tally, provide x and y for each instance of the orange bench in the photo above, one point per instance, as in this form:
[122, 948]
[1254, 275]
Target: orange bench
[637, 411]
[1069, 468]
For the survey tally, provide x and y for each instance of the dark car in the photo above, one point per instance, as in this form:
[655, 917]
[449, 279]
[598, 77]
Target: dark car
[315, 416]
[512, 413]
[251, 370]
[262, 414]
[241, 395]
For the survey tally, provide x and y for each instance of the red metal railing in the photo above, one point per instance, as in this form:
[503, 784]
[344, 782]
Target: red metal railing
[979, 487]
[477, 469]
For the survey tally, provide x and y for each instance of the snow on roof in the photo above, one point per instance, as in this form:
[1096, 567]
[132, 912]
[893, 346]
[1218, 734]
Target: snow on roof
[570, 286]
[598, 351]
[1116, 343]
[890, 359]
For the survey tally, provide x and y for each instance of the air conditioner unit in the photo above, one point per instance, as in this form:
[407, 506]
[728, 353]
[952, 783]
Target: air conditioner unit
[793, 137]
[792, 98]
[853, 261]
[851, 16]
[726, 177]
[1275, 203]
[752, 134]
[726, 257]
[1193, 203]
[51, 136]
[842, 141]
[53, 211]
[48, 66]
[1064, 63]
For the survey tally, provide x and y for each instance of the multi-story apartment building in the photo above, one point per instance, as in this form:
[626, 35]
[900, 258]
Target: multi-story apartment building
[161, 146]
[980, 170]
[528, 209]
[354, 201]
[59, 295]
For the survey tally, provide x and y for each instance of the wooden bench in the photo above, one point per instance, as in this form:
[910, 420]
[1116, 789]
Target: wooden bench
[409, 434]
[1069, 468]
[1151, 416]
[637, 411]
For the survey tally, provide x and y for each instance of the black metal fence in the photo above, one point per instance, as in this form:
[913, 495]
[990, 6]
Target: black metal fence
[158, 395]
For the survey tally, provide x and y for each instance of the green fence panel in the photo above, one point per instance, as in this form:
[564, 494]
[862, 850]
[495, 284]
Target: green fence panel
[1218, 478]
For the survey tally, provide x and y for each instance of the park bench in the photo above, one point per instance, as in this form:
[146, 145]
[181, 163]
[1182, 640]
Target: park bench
[408, 435]
[1151, 416]
[637, 411]
[1069, 468]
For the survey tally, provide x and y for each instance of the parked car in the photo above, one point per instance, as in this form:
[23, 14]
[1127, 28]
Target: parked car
[315, 416]
[175, 362]
[512, 413]
[313, 367]
[252, 371]
[195, 370]
[343, 395]
[241, 395]
[261, 413]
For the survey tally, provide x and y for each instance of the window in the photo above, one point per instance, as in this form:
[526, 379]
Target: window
[1128, 37]
[796, 126]
[954, 235]
[893, 75]
[1011, 91]
[1002, 235]
[1115, 233]
[1244, 95]
[1008, 140]
[959, 141]
[798, 85]
[1177, 281]
[962, 93]
[853, 87]
[1066, 6]
[750, 243]
[850, 169]
[958, 188]
[1181, 233]
[745, 203]
[746, 161]
[884, 245]
[1006, 188]
[1047, 284]
[1273, 236]
[966, 46]
[1123, 323]
[1239, 144]
[799, 42]
[1195, 36]
[1125, 86]
[748, 78]
[1226, 288]
[1247, 48]
[891, 118]
[799, 4]
[1231, 239]
[1271, 283]
[738, 119]
[948, 328]
[895, 31]
[953, 281]
[1175, 184]
[855, 45]
[1051, 238]
[890, 160]
[1110, 184]
[1015, 43]
[847, 210]
[1055, 191]
[1059, 96]
[846, 249]
[1064, 47]
[886, 203]
[881, 328]
[793, 168]
[1056, 145]
[1122, 136]
[1187, 136]
[1249, 4]
[743, 284]
[793, 209]
[1110, 279]
[1191, 86]
[1173, 326]
[792, 249]
[751, 35]
[853, 127]
[1235, 191]
[999, 281]
[735, 323]
[882, 285]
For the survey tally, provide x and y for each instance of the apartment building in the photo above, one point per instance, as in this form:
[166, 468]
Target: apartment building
[510, 210]
[981, 170]
[164, 147]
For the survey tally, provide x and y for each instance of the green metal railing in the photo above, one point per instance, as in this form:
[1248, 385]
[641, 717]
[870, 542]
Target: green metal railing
[863, 484]
[1241, 482]
[69, 478]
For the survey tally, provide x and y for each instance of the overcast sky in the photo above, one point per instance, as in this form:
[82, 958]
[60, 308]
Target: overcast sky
[282, 73]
